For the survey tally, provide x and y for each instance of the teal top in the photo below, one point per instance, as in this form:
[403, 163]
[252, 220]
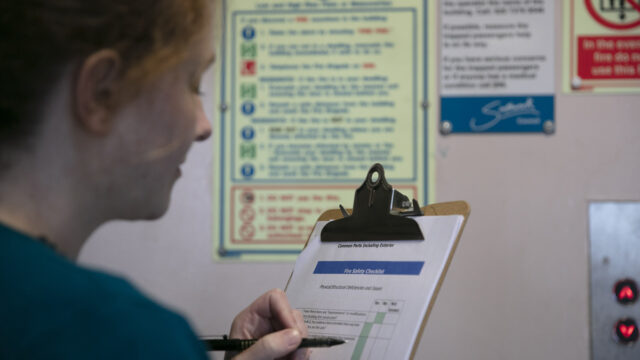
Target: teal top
[51, 308]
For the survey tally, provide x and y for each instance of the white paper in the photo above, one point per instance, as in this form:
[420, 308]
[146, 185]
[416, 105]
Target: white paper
[497, 48]
[374, 294]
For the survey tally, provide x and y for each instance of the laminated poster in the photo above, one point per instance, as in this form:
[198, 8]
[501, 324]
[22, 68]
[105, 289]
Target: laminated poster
[309, 95]
[497, 66]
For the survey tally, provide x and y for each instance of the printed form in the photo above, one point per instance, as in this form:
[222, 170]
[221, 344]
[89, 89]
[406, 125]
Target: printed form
[373, 294]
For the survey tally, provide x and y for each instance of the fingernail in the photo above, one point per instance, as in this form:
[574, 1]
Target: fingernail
[293, 337]
[302, 354]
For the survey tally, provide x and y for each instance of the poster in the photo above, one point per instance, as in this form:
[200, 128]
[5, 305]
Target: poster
[497, 66]
[602, 52]
[312, 94]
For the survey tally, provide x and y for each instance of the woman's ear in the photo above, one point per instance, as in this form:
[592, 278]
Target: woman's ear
[94, 91]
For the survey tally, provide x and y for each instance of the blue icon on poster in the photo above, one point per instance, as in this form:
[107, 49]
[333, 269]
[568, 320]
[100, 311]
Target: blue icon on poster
[248, 108]
[248, 32]
[248, 133]
[247, 170]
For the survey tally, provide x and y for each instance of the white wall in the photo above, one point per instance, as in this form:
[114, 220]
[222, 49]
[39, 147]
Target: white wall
[518, 285]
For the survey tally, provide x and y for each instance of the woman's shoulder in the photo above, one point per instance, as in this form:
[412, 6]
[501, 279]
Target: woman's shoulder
[49, 300]
[32, 272]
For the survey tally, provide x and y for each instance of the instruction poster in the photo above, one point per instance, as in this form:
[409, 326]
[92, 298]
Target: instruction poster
[603, 46]
[310, 95]
[497, 66]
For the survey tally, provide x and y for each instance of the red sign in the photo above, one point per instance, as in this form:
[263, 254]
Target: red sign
[609, 57]
[248, 67]
[247, 231]
[247, 197]
[247, 214]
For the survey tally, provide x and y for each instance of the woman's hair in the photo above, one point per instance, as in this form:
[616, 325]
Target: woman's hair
[40, 38]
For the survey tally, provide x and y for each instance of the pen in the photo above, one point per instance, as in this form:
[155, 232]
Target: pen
[226, 344]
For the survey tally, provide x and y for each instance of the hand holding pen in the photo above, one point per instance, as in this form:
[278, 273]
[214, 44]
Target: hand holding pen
[278, 328]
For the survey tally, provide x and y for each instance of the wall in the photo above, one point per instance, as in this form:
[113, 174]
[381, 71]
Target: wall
[518, 285]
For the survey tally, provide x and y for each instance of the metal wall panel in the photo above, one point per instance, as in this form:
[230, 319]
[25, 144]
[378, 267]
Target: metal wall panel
[614, 232]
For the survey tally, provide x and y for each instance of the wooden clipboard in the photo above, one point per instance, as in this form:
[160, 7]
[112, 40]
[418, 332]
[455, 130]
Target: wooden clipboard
[439, 209]
[446, 208]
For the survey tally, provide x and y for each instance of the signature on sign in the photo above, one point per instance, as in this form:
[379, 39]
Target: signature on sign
[501, 112]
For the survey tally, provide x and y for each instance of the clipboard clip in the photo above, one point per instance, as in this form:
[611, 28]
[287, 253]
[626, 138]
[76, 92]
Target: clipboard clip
[380, 213]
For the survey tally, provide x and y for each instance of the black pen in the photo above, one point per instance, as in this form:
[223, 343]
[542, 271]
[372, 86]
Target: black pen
[226, 344]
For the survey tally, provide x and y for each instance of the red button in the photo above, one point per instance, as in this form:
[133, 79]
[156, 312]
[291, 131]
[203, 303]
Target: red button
[626, 291]
[626, 331]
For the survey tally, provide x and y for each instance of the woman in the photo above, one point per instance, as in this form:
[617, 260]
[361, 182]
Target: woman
[99, 104]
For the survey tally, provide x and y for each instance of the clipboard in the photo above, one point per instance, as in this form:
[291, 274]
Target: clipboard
[375, 200]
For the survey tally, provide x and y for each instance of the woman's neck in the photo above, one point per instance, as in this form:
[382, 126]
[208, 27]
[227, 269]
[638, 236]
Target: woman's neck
[43, 192]
[41, 204]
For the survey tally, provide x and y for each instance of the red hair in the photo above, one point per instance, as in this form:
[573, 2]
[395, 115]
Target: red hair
[42, 37]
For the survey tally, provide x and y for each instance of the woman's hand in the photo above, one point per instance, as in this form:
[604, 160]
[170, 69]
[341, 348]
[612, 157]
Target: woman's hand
[279, 327]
